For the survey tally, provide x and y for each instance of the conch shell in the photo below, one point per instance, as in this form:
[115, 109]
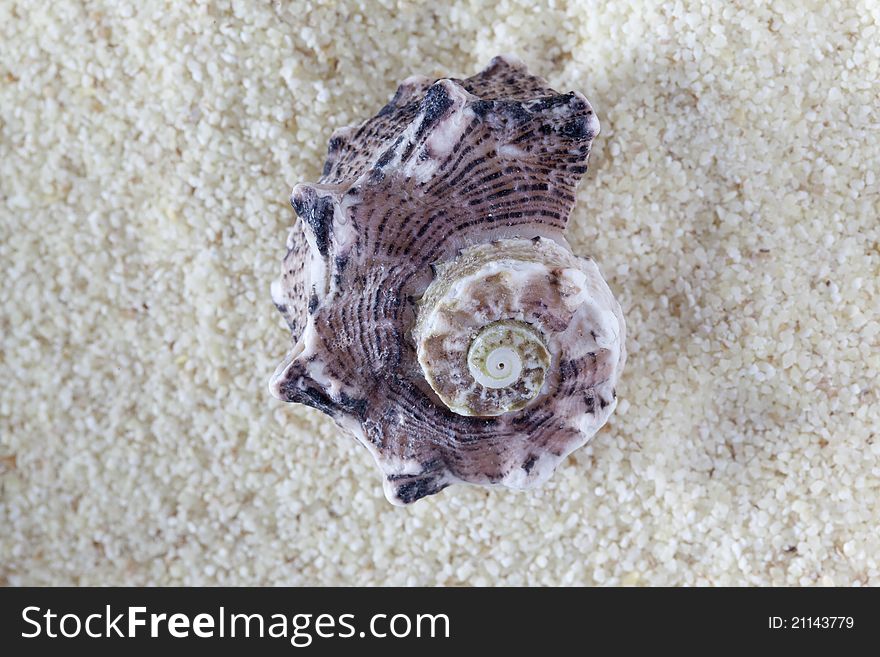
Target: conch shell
[437, 312]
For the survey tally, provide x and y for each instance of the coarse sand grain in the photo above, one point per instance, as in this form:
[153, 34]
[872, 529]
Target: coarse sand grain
[147, 150]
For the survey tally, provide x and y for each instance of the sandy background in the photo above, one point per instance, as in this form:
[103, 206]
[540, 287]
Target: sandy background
[147, 150]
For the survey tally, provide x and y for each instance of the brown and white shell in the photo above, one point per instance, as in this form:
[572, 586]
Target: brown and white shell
[437, 312]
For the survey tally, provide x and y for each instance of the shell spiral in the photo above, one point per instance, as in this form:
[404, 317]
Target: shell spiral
[436, 309]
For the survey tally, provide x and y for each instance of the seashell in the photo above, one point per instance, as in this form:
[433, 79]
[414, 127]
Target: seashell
[437, 312]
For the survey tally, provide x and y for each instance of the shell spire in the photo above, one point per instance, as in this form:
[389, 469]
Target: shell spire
[436, 310]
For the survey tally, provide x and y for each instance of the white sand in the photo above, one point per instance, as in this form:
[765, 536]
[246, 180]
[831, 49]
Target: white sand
[146, 156]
